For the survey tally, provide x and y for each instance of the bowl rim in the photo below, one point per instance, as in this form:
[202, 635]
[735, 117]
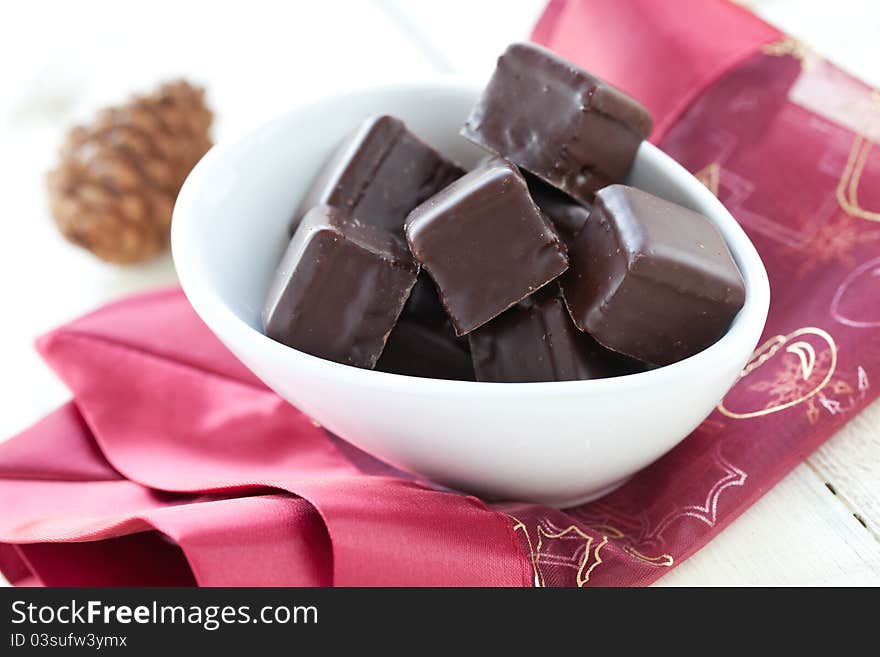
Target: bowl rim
[739, 341]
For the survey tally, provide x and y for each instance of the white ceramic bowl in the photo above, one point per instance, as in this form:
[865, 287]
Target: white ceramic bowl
[558, 443]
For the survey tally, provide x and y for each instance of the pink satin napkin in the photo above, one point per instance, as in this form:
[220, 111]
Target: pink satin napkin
[175, 465]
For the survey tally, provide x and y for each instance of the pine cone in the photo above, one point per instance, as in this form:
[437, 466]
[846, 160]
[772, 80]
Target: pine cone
[115, 186]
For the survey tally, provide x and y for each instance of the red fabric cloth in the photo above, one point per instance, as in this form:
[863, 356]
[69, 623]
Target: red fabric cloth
[170, 434]
[786, 142]
[662, 53]
[174, 465]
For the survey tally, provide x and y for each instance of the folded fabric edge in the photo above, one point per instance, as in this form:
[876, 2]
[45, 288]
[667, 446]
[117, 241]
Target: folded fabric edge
[56, 348]
[316, 493]
[547, 32]
[21, 570]
[665, 124]
[15, 568]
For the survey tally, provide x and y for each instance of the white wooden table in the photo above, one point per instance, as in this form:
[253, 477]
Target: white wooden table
[59, 61]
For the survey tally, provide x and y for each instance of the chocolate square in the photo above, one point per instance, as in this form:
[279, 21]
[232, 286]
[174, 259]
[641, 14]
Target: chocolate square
[555, 120]
[567, 214]
[339, 288]
[485, 244]
[537, 341]
[424, 343]
[426, 350]
[378, 174]
[424, 304]
[651, 279]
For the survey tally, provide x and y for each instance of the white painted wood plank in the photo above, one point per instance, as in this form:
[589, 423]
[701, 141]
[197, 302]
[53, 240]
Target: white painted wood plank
[850, 463]
[793, 536]
[845, 31]
[256, 60]
[465, 36]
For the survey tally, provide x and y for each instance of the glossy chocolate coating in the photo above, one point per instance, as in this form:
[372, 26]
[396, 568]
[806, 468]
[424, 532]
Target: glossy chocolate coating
[485, 244]
[339, 288]
[567, 215]
[378, 174]
[424, 342]
[424, 304]
[564, 125]
[651, 279]
[537, 341]
[427, 350]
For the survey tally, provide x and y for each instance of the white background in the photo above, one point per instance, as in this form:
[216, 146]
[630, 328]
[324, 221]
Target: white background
[59, 61]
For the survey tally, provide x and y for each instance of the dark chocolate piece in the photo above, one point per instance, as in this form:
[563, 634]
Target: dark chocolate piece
[339, 288]
[378, 174]
[424, 303]
[562, 124]
[485, 244]
[424, 342]
[427, 350]
[567, 214]
[651, 279]
[537, 341]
